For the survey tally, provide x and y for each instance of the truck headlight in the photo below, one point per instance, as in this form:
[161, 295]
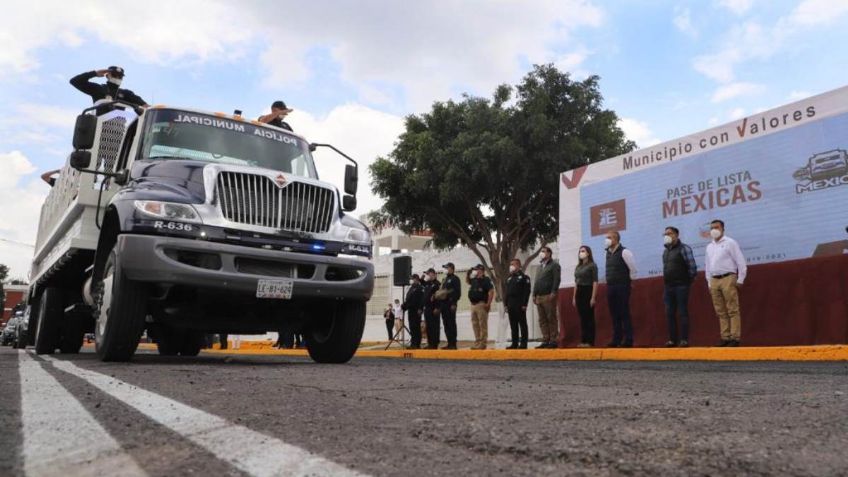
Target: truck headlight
[168, 210]
[358, 235]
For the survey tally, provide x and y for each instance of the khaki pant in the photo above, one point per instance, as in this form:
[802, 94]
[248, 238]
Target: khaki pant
[725, 297]
[546, 306]
[480, 323]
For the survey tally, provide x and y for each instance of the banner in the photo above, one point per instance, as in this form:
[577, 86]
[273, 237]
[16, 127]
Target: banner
[779, 181]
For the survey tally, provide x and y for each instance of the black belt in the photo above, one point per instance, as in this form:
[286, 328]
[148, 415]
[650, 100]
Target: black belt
[724, 275]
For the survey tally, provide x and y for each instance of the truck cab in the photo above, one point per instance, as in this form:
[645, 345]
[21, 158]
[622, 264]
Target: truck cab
[183, 223]
[828, 164]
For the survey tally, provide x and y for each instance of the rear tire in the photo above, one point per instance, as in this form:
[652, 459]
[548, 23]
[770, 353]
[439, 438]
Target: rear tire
[334, 337]
[72, 334]
[120, 310]
[50, 314]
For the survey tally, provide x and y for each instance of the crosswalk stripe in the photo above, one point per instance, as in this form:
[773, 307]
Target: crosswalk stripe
[60, 437]
[250, 451]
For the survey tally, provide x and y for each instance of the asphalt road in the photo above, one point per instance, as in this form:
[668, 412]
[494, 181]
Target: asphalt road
[264, 415]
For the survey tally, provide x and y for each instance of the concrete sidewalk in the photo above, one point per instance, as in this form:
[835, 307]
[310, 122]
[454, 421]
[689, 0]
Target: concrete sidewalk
[782, 353]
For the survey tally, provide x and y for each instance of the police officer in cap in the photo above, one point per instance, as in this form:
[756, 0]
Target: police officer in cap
[516, 298]
[111, 90]
[279, 111]
[448, 305]
[481, 292]
[431, 309]
[413, 305]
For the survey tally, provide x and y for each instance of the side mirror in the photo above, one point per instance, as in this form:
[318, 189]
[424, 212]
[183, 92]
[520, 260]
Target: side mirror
[312, 147]
[81, 159]
[84, 131]
[351, 180]
[348, 203]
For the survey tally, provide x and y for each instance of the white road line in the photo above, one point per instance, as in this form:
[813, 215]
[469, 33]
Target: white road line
[60, 436]
[250, 451]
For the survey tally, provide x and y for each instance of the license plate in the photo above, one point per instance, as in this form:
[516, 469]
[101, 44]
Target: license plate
[280, 289]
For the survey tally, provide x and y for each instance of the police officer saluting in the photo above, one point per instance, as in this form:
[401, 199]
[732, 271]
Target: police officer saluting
[278, 113]
[111, 90]
[516, 299]
[413, 305]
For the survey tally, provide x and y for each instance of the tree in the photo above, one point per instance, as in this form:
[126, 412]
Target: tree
[484, 173]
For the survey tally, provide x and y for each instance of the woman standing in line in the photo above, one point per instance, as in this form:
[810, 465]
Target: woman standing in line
[586, 281]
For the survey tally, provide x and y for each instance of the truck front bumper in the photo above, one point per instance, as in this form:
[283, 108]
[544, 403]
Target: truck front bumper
[212, 265]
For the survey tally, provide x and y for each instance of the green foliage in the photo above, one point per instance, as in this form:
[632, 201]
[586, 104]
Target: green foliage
[484, 173]
[4, 272]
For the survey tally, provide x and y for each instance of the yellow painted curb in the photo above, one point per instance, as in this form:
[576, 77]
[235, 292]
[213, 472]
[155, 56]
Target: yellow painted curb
[782, 353]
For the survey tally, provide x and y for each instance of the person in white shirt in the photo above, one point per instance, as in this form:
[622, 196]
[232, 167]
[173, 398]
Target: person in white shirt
[620, 273]
[725, 270]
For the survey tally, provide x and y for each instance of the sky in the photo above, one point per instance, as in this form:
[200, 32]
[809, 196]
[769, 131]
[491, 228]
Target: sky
[352, 70]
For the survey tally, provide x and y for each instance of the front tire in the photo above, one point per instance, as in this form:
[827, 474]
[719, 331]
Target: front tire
[120, 310]
[334, 335]
[50, 314]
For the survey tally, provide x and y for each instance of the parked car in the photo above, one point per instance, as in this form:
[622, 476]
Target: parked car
[21, 330]
[8, 336]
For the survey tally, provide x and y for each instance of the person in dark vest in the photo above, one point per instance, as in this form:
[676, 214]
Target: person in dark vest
[545, 291]
[413, 305]
[515, 299]
[448, 305]
[620, 272]
[481, 292]
[431, 309]
[679, 271]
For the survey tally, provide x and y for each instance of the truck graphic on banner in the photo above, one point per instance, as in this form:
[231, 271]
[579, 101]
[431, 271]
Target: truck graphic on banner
[823, 170]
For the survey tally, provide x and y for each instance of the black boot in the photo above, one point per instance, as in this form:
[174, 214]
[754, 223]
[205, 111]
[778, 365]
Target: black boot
[522, 344]
[514, 345]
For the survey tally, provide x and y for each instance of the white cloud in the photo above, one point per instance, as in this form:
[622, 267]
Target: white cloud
[798, 95]
[683, 21]
[818, 12]
[570, 62]
[361, 132]
[21, 196]
[638, 131]
[428, 50]
[752, 41]
[736, 113]
[739, 7]
[734, 90]
[47, 115]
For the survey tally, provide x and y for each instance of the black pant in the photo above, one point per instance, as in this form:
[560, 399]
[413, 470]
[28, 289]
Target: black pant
[618, 299]
[390, 327]
[433, 326]
[583, 299]
[677, 299]
[449, 319]
[414, 327]
[517, 323]
[222, 338]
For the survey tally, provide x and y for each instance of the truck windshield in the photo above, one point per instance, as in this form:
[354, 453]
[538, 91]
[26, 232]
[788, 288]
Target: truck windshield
[171, 134]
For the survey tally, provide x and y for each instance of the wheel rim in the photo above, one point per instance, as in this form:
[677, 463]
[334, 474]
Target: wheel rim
[105, 302]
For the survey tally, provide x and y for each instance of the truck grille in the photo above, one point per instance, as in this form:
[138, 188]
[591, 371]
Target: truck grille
[256, 200]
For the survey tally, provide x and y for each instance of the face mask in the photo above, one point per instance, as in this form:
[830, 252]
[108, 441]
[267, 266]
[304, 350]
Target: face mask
[412, 282]
[114, 81]
[474, 274]
[512, 268]
[667, 239]
[427, 278]
[607, 243]
[715, 233]
[583, 255]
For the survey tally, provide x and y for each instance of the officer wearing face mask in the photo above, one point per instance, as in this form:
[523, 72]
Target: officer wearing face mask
[481, 292]
[431, 309]
[515, 299]
[111, 90]
[679, 271]
[620, 273]
[413, 305]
